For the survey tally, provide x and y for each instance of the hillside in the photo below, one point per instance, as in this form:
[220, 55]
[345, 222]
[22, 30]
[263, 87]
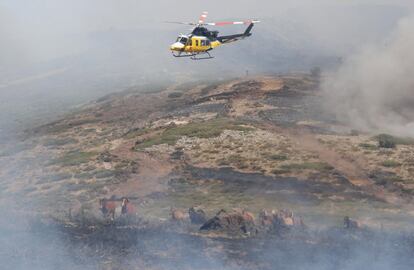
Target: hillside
[246, 143]
[260, 142]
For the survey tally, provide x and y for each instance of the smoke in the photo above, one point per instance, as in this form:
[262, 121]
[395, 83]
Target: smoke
[373, 90]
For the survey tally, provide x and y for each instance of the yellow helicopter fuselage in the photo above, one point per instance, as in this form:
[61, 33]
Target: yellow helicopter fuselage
[194, 44]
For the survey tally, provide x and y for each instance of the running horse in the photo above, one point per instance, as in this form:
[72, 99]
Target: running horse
[108, 208]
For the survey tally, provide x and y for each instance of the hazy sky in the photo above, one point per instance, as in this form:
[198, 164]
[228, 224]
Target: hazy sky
[66, 48]
[42, 29]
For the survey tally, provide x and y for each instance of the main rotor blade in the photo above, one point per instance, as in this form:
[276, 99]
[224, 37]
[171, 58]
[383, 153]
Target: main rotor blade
[232, 23]
[185, 23]
[203, 17]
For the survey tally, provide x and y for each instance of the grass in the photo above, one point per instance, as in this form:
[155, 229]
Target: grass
[59, 141]
[368, 146]
[317, 166]
[280, 157]
[54, 177]
[389, 141]
[136, 132]
[175, 95]
[209, 129]
[74, 158]
[390, 163]
[105, 174]
[278, 171]
[235, 159]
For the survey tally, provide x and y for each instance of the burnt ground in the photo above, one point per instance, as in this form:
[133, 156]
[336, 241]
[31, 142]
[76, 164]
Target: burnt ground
[167, 247]
[262, 142]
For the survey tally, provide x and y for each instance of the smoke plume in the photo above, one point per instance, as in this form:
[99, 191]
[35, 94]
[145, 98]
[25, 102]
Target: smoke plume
[374, 89]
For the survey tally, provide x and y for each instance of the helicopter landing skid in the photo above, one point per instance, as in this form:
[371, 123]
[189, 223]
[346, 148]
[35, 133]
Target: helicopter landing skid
[193, 56]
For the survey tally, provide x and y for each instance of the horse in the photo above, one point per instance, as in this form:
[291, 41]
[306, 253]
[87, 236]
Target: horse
[248, 216]
[197, 215]
[265, 218]
[108, 208]
[177, 215]
[350, 223]
[126, 207]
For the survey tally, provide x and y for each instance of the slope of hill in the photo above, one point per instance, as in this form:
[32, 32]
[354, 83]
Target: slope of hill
[261, 142]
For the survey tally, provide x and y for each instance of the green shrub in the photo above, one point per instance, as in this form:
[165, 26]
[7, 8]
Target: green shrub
[175, 95]
[280, 157]
[278, 171]
[390, 163]
[389, 141]
[386, 141]
[73, 158]
[368, 146]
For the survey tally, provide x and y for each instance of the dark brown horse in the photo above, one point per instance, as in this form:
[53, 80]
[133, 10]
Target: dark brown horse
[108, 208]
[351, 224]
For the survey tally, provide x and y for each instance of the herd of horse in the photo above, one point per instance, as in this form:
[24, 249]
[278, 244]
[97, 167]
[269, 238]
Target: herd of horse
[282, 218]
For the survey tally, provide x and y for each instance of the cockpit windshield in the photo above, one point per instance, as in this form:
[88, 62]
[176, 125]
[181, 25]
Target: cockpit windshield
[182, 40]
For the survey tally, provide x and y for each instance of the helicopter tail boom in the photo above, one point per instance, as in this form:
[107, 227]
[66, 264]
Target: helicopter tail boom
[232, 38]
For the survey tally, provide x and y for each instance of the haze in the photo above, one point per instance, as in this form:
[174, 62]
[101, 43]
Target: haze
[56, 54]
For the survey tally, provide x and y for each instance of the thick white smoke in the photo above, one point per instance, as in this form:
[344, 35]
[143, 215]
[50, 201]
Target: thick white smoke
[374, 89]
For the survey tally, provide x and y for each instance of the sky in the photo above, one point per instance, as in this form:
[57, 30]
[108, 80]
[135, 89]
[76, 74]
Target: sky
[56, 53]
[39, 30]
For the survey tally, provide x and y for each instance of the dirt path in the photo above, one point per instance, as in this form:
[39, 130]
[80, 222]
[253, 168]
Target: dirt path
[352, 168]
[152, 173]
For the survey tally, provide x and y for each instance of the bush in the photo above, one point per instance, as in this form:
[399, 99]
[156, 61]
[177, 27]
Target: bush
[386, 141]
[392, 141]
[175, 95]
[390, 163]
[74, 158]
[280, 157]
[368, 146]
[316, 72]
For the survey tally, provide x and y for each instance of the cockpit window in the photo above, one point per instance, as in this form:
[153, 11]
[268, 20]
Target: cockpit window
[182, 40]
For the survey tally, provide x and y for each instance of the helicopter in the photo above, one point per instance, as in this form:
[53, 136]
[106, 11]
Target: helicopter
[198, 44]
